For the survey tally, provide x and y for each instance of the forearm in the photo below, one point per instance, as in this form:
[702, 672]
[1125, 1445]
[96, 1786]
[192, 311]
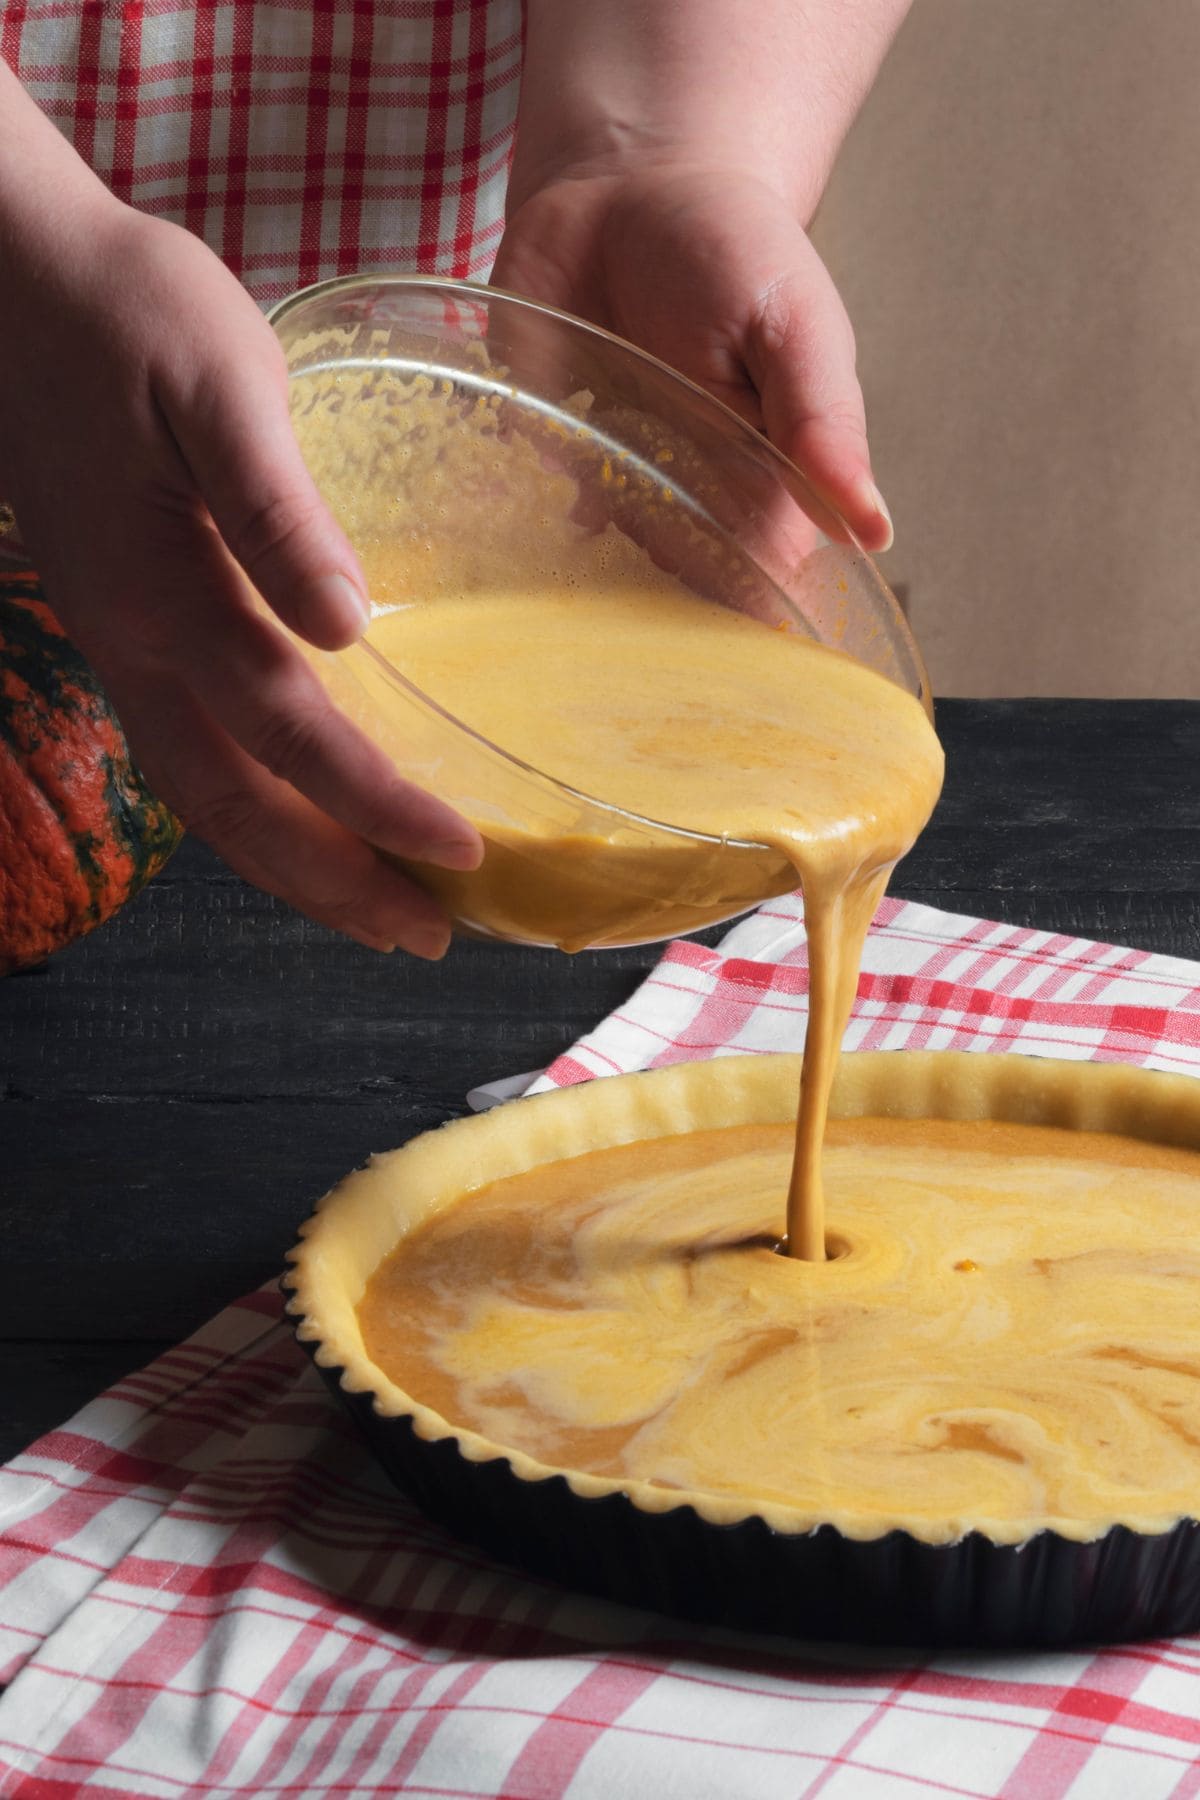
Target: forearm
[48, 195]
[770, 87]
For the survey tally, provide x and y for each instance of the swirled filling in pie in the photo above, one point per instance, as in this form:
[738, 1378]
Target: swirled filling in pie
[1006, 1328]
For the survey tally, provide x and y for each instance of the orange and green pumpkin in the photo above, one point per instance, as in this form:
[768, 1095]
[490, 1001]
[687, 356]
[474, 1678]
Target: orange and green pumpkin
[80, 832]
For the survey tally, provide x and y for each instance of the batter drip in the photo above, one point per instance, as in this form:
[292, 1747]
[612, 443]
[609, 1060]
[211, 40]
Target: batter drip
[579, 652]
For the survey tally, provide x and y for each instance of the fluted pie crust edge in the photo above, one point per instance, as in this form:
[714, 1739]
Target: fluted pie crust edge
[364, 1217]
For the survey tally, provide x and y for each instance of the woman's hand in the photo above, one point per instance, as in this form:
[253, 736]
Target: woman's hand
[670, 154]
[709, 269]
[146, 448]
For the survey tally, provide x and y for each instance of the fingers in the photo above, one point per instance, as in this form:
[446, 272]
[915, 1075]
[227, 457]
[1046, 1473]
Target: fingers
[232, 427]
[269, 833]
[234, 730]
[799, 351]
[236, 439]
[712, 272]
[263, 693]
[180, 614]
[190, 443]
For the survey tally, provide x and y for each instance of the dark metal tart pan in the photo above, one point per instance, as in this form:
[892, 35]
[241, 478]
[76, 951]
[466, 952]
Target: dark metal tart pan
[895, 1588]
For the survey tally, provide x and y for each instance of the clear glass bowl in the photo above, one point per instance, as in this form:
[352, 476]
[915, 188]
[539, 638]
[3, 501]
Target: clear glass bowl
[514, 398]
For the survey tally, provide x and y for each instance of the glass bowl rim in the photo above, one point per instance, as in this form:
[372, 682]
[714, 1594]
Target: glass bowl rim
[482, 290]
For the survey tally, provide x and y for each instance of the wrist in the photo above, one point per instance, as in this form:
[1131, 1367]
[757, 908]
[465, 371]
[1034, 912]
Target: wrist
[619, 153]
[53, 209]
[608, 88]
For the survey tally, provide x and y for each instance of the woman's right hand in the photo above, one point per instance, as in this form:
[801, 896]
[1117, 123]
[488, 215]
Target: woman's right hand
[146, 448]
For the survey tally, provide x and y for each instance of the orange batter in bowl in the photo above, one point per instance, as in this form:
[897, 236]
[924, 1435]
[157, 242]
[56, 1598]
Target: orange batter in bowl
[579, 651]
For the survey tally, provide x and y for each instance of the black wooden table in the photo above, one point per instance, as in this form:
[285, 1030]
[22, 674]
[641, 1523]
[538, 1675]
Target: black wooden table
[178, 1088]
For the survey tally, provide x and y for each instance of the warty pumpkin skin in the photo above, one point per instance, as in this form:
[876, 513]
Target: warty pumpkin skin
[80, 832]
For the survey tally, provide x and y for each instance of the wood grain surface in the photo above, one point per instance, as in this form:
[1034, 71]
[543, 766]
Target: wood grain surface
[180, 1087]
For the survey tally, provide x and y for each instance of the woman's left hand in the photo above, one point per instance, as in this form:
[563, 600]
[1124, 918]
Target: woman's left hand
[710, 270]
[670, 154]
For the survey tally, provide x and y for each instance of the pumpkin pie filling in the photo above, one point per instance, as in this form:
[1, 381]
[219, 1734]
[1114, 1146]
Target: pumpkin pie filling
[986, 1322]
[1001, 1341]
[592, 662]
[1005, 1330]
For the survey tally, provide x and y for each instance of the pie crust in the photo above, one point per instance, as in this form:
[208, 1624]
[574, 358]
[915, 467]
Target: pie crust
[713, 1555]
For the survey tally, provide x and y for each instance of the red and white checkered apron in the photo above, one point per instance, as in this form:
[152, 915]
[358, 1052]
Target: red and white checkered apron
[300, 138]
[208, 1590]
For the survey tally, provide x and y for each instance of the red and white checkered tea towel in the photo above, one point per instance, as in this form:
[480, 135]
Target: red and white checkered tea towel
[929, 981]
[207, 1589]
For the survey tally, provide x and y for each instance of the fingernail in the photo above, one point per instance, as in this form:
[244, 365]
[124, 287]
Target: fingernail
[875, 500]
[431, 943]
[452, 853]
[336, 594]
[384, 945]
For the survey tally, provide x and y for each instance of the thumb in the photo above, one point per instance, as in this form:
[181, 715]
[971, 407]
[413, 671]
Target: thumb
[799, 352]
[233, 429]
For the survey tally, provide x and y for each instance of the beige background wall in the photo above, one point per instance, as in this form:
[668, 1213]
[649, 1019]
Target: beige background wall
[1015, 227]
